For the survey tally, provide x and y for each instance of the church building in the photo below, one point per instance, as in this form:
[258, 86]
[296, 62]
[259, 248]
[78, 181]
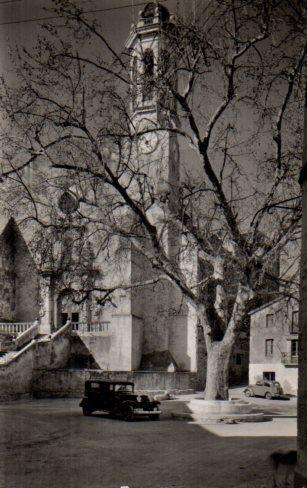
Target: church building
[150, 328]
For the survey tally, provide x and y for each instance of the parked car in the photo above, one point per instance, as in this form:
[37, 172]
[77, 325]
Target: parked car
[118, 399]
[265, 388]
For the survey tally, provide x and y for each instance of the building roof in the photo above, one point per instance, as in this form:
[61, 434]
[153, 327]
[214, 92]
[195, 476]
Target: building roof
[4, 221]
[8, 224]
[265, 305]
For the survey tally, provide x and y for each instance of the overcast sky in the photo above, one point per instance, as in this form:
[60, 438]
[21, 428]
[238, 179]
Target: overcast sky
[19, 19]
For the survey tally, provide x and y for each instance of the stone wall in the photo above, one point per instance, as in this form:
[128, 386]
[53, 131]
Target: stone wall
[16, 377]
[119, 348]
[168, 322]
[27, 292]
[70, 383]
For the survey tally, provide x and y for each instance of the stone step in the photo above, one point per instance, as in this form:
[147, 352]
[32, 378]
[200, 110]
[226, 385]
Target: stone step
[7, 357]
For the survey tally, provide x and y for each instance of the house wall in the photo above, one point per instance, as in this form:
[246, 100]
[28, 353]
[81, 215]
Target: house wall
[287, 376]
[280, 331]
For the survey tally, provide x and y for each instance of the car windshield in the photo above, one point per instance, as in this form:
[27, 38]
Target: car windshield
[123, 388]
[276, 383]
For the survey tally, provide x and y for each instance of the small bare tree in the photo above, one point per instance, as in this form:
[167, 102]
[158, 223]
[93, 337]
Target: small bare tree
[228, 85]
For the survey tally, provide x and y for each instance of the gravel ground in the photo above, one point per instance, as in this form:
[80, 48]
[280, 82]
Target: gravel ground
[49, 444]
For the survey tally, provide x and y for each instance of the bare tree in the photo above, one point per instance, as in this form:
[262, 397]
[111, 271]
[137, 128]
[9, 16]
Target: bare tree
[228, 85]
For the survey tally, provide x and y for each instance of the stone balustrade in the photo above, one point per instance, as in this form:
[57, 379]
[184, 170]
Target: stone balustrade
[98, 327]
[14, 328]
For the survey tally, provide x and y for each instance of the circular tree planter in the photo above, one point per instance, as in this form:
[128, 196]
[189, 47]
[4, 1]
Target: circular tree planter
[231, 411]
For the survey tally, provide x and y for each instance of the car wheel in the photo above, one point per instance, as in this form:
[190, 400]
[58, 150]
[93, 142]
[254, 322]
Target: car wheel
[248, 393]
[127, 412]
[116, 412]
[268, 395]
[86, 411]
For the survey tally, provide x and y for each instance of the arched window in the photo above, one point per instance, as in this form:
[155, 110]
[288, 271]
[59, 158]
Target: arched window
[148, 74]
[148, 13]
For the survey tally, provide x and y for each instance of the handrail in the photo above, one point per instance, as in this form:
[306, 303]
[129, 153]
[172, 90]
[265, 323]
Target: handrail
[19, 353]
[60, 331]
[27, 335]
[33, 342]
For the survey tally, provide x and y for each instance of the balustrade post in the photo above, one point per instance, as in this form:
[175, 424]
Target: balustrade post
[47, 303]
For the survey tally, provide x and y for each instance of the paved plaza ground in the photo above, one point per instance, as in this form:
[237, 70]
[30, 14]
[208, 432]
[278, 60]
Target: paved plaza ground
[49, 444]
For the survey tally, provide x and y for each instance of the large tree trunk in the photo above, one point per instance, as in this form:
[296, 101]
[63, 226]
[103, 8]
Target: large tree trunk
[217, 377]
[219, 352]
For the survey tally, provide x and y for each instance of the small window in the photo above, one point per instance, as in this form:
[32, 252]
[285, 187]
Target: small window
[75, 317]
[270, 320]
[238, 359]
[294, 323]
[269, 347]
[95, 386]
[64, 318]
[294, 348]
[269, 375]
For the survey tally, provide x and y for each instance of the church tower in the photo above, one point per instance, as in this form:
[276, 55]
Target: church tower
[152, 107]
[168, 334]
[146, 44]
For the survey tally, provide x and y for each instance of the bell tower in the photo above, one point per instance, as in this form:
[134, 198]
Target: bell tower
[146, 43]
[152, 108]
[167, 333]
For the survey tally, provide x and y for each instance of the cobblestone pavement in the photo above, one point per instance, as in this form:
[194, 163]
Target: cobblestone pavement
[49, 444]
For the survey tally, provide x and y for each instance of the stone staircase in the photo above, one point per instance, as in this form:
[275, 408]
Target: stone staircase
[6, 357]
[14, 337]
[31, 356]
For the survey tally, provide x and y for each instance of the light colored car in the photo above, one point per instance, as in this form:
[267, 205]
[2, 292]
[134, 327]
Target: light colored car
[265, 388]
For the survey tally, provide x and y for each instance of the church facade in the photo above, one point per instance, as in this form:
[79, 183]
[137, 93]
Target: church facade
[144, 328]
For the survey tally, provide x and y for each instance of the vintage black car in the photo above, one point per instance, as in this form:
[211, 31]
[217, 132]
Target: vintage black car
[118, 399]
